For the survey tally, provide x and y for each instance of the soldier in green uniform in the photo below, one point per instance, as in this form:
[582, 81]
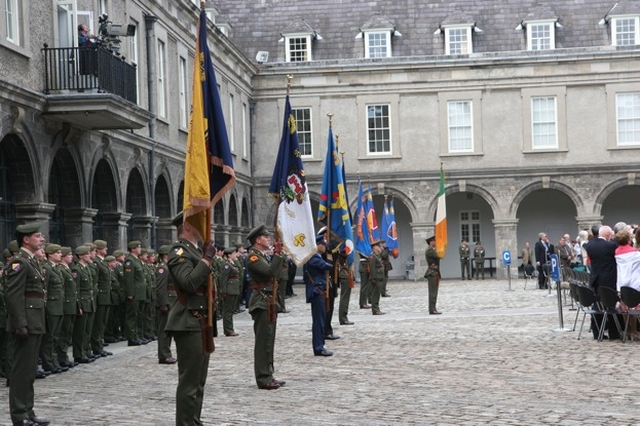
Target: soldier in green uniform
[135, 292]
[365, 288]
[70, 308]
[165, 299]
[81, 273]
[190, 268]
[478, 257]
[376, 276]
[91, 315]
[150, 317]
[3, 325]
[103, 299]
[345, 279]
[112, 329]
[263, 305]
[229, 288]
[282, 285]
[386, 261]
[25, 298]
[54, 284]
[465, 259]
[433, 274]
[120, 317]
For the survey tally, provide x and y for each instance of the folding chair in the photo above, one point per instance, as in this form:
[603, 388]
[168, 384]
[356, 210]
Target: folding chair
[529, 273]
[609, 301]
[586, 300]
[630, 297]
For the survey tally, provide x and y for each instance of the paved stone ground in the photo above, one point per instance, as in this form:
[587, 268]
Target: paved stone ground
[491, 358]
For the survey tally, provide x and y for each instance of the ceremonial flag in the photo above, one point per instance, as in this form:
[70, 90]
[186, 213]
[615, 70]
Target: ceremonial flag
[294, 224]
[362, 242]
[334, 210]
[389, 228]
[441, 219]
[346, 194]
[208, 170]
[372, 219]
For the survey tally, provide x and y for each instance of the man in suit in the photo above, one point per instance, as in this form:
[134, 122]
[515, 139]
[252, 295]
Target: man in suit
[602, 253]
[543, 249]
[189, 270]
[25, 299]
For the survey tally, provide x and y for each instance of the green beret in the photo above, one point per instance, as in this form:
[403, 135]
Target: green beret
[6, 253]
[134, 244]
[29, 228]
[230, 250]
[117, 253]
[109, 258]
[100, 244]
[80, 250]
[53, 248]
[90, 245]
[256, 232]
[65, 250]
[238, 246]
[151, 252]
[177, 220]
[164, 249]
[13, 246]
[144, 251]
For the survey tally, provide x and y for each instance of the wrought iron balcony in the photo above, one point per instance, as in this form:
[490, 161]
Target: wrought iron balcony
[92, 88]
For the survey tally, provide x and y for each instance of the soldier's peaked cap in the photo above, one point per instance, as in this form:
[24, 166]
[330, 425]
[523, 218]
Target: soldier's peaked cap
[80, 250]
[256, 232]
[134, 244]
[29, 228]
[177, 220]
[100, 244]
[376, 242]
[230, 250]
[164, 249]
[52, 248]
[432, 238]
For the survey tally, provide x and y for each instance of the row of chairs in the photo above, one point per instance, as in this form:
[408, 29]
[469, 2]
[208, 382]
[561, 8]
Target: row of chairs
[604, 303]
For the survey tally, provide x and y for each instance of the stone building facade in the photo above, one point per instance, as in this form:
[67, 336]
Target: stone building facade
[532, 109]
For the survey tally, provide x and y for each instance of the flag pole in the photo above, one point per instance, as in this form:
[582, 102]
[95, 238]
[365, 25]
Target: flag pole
[328, 237]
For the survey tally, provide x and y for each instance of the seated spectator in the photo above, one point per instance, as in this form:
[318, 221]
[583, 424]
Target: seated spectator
[628, 272]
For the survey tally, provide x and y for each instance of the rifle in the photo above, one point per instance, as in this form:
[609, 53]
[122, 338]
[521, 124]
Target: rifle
[208, 345]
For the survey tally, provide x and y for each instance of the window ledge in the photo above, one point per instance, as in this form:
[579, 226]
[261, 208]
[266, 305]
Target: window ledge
[624, 147]
[15, 48]
[381, 157]
[461, 154]
[544, 151]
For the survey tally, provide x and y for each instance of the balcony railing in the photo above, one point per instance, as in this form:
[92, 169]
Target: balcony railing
[82, 69]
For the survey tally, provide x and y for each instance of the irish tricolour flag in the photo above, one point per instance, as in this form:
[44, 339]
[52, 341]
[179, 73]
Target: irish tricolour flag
[441, 219]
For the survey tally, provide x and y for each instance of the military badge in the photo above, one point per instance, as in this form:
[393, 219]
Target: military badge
[179, 251]
[16, 266]
[161, 270]
[253, 258]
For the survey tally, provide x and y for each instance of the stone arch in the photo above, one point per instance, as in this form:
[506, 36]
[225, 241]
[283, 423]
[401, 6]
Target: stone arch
[607, 191]
[534, 186]
[21, 162]
[162, 197]
[474, 189]
[233, 210]
[180, 197]
[64, 192]
[139, 227]
[244, 216]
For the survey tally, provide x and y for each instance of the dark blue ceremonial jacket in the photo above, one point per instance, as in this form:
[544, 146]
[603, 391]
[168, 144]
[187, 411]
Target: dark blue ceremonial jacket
[315, 275]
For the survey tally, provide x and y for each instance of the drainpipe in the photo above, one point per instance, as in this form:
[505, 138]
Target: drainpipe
[252, 137]
[150, 21]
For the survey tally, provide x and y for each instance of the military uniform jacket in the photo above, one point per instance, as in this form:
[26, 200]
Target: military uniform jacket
[120, 276]
[135, 283]
[262, 273]
[189, 276]
[464, 251]
[55, 289]
[384, 255]
[240, 265]
[104, 282]
[93, 268]
[84, 285]
[70, 306]
[376, 268]
[315, 276]
[164, 296]
[25, 294]
[478, 254]
[433, 262]
[3, 306]
[229, 279]
[115, 287]
[150, 275]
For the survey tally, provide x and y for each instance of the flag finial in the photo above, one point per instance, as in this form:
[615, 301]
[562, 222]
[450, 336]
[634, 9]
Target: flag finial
[289, 78]
[330, 115]
[203, 4]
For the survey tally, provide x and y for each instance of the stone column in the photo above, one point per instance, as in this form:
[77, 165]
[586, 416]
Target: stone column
[78, 226]
[506, 231]
[222, 235]
[421, 231]
[586, 222]
[115, 229]
[35, 212]
[142, 229]
[166, 233]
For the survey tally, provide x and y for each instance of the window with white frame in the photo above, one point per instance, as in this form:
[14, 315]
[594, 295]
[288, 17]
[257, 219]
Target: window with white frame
[162, 88]
[245, 133]
[298, 48]
[133, 57]
[628, 118]
[231, 124]
[377, 44]
[303, 126]
[458, 40]
[12, 21]
[378, 129]
[625, 31]
[102, 7]
[460, 124]
[470, 226]
[541, 35]
[544, 123]
[182, 87]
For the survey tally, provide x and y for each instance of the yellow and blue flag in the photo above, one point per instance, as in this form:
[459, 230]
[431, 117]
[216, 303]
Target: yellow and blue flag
[208, 173]
[294, 223]
[334, 210]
